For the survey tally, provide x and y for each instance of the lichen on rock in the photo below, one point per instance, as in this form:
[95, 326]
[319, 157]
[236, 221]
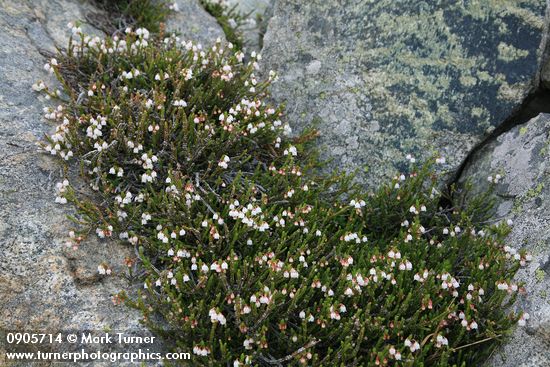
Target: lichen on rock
[386, 78]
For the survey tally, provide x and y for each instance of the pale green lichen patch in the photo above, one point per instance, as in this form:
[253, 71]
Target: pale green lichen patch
[468, 80]
[512, 92]
[523, 130]
[510, 53]
[478, 112]
[540, 274]
[529, 195]
[527, 10]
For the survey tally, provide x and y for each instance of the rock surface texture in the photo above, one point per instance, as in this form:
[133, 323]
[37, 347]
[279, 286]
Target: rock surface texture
[43, 284]
[193, 23]
[522, 157]
[384, 78]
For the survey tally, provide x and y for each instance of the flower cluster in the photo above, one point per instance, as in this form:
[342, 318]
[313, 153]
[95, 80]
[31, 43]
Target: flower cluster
[246, 249]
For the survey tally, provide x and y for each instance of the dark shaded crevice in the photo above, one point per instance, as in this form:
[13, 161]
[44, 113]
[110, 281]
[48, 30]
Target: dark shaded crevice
[535, 103]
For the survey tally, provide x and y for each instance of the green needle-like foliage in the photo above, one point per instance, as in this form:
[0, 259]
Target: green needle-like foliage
[250, 256]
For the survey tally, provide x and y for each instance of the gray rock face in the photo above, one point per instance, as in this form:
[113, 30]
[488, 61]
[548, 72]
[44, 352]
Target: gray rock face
[44, 285]
[385, 78]
[193, 23]
[522, 157]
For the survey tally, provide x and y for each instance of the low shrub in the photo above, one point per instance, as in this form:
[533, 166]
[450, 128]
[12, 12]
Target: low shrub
[117, 15]
[249, 255]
